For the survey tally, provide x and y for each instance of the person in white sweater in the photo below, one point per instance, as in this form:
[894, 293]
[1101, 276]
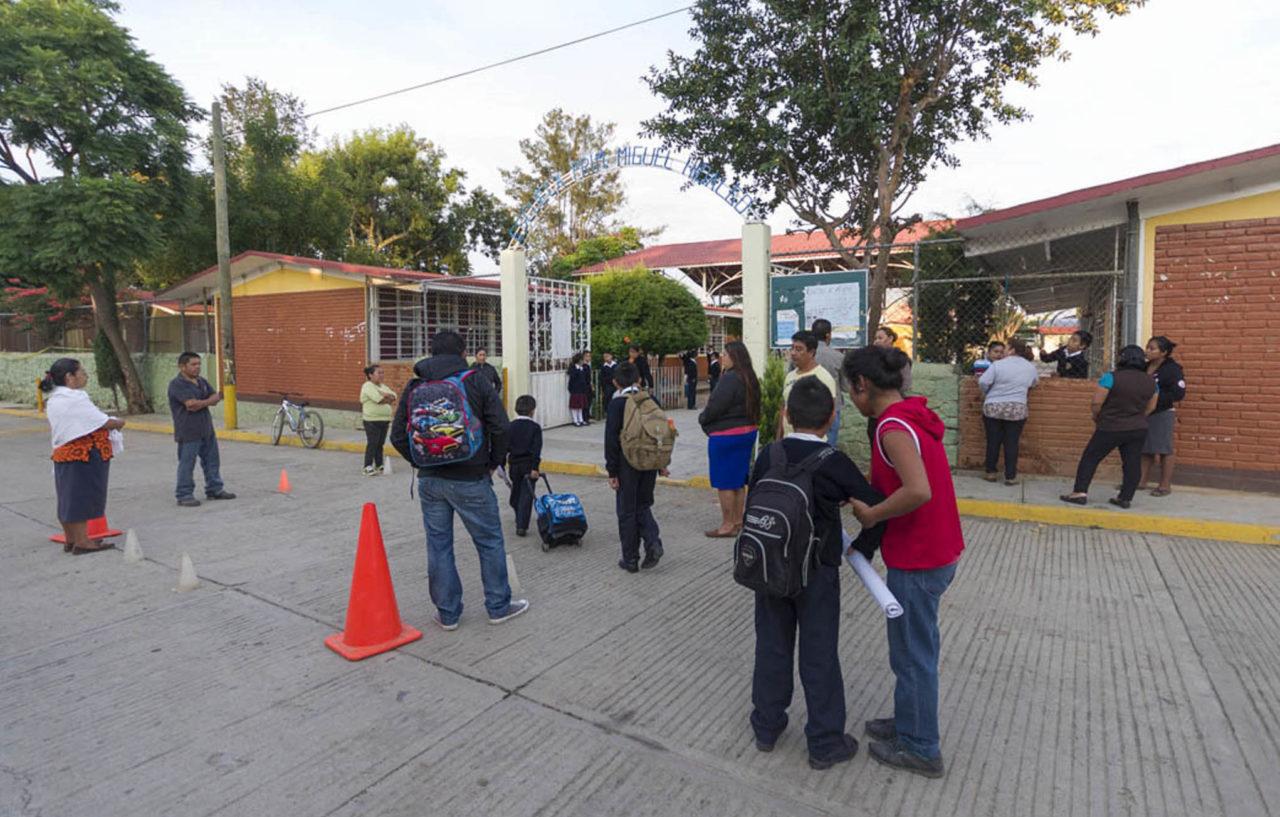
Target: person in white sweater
[1004, 409]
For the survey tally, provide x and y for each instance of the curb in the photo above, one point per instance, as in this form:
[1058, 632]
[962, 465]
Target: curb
[1213, 529]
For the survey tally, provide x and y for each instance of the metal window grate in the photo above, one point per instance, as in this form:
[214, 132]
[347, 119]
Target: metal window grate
[400, 324]
[477, 316]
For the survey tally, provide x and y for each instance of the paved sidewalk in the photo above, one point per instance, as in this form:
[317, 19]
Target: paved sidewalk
[1084, 671]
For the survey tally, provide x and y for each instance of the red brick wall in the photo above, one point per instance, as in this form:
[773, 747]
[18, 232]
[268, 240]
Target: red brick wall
[1058, 426]
[1217, 294]
[309, 343]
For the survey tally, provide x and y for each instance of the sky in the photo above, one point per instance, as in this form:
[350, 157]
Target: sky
[1174, 82]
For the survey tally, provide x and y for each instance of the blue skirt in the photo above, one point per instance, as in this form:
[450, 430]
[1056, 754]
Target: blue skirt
[82, 488]
[730, 459]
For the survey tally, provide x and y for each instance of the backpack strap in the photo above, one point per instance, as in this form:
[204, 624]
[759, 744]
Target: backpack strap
[815, 460]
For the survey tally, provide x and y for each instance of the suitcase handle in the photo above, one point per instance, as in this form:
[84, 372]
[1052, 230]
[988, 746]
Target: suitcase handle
[543, 474]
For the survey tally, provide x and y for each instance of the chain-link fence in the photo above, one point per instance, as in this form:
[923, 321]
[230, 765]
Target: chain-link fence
[958, 295]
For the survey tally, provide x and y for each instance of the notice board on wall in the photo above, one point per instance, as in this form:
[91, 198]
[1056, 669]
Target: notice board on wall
[796, 301]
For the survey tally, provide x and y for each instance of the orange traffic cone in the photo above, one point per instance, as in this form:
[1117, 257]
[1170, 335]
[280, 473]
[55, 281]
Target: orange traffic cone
[284, 487]
[98, 530]
[373, 620]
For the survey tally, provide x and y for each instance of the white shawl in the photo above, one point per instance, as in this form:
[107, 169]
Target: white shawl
[72, 415]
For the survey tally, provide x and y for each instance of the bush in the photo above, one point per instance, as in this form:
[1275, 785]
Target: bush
[650, 310]
[775, 375]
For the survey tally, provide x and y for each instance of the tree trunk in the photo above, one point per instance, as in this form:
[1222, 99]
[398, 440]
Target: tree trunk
[104, 311]
[879, 278]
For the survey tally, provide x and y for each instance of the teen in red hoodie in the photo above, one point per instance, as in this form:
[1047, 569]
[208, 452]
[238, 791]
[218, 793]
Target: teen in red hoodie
[921, 547]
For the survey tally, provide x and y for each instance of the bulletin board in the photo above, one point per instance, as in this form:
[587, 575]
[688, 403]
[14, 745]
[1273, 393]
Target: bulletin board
[796, 301]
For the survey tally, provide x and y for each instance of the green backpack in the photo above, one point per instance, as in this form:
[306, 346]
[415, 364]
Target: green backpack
[647, 436]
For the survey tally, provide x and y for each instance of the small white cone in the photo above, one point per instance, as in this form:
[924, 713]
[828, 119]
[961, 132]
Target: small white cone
[187, 579]
[386, 466]
[132, 550]
[512, 577]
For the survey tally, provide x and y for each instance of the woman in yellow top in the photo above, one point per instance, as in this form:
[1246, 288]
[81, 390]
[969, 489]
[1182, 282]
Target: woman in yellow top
[377, 404]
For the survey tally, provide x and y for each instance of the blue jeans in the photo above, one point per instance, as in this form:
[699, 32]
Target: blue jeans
[477, 506]
[914, 645]
[833, 434]
[207, 451]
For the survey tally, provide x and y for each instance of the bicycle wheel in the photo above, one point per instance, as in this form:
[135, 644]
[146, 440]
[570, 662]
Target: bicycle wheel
[277, 426]
[311, 429]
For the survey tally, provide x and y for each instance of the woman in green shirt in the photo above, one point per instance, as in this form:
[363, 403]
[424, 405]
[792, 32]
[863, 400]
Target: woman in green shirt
[377, 404]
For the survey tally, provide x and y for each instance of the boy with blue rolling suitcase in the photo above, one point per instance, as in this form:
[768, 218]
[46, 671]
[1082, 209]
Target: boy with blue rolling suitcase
[561, 518]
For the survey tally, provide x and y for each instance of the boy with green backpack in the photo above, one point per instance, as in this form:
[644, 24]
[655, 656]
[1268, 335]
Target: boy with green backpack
[638, 440]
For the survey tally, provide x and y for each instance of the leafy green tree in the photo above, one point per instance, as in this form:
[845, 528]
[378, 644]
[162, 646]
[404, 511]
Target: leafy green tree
[594, 250]
[404, 208]
[638, 306]
[584, 209]
[93, 153]
[958, 316]
[840, 109]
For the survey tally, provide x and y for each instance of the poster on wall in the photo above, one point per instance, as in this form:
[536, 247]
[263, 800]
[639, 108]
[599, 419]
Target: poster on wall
[797, 300]
[561, 332]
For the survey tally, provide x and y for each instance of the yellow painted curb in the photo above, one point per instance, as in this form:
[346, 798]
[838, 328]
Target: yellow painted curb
[576, 469]
[1124, 521]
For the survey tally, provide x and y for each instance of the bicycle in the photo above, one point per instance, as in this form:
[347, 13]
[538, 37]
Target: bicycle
[308, 425]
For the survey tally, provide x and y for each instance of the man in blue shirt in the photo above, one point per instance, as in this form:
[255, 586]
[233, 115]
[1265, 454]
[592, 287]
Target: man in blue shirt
[190, 396]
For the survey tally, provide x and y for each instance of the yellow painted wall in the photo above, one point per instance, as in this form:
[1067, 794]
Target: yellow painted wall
[1264, 205]
[283, 281]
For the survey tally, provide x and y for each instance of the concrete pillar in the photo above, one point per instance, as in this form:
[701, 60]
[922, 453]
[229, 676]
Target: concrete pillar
[515, 324]
[756, 243]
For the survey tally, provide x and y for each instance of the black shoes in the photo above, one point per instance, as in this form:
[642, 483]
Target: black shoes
[1120, 503]
[896, 756]
[221, 495]
[630, 567]
[1075, 500]
[189, 502]
[522, 532]
[651, 558]
[881, 729]
[839, 756]
[764, 747]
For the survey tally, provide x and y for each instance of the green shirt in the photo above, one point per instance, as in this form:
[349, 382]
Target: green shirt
[370, 408]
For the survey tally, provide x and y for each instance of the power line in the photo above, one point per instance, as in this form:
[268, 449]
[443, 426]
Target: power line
[492, 65]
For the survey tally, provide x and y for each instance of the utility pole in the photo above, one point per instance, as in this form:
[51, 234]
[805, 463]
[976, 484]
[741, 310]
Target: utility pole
[228, 344]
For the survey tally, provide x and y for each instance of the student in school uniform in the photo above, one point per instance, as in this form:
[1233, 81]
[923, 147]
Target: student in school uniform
[579, 389]
[633, 488]
[524, 458]
[813, 616]
[921, 546]
[1071, 359]
[607, 370]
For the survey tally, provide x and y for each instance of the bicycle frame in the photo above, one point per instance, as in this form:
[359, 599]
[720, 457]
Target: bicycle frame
[293, 414]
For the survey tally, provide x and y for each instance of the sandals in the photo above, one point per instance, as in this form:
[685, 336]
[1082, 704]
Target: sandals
[79, 551]
[1162, 492]
[716, 534]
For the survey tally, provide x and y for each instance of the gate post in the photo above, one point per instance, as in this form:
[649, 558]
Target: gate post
[756, 244]
[515, 324]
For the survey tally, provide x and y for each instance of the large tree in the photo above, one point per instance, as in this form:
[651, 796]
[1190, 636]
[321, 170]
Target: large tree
[403, 207]
[652, 310]
[93, 151]
[583, 210]
[840, 109]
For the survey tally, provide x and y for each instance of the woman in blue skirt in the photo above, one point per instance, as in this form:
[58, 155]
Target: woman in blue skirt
[730, 421]
[82, 449]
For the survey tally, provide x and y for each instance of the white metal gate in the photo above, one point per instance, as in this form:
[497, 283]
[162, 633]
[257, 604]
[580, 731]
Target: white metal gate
[559, 327]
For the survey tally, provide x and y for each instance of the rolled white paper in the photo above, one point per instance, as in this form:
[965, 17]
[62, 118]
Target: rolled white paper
[871, 580]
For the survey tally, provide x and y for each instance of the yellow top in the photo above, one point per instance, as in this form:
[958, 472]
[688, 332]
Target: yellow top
[370, 408]
[795, 374]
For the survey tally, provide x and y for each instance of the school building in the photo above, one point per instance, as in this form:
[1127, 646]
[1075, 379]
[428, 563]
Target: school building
[1196, 255]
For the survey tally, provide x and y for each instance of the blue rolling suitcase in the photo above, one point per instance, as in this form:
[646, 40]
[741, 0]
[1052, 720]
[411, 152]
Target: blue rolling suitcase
[561, 518]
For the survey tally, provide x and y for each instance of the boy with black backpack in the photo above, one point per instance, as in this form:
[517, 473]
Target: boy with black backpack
[797, 486]
[637, 448]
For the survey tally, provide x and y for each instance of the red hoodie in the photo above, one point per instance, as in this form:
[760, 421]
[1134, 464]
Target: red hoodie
[929, 536]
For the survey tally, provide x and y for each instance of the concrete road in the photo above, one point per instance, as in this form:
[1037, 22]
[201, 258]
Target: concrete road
[1084, 672]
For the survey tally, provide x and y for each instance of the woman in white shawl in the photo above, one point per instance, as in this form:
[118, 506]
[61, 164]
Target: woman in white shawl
[82, 448]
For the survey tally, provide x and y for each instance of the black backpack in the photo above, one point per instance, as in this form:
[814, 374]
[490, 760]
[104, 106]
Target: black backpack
[773, 552]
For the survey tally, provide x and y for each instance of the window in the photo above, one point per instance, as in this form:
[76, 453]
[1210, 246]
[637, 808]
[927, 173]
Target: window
[401, 324]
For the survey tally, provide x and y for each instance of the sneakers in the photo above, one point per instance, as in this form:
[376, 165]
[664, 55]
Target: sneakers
[990, 476]
[189, 502]
[369, 470]
[882, 729]
[446, 627]
[839, 756]
[895, 755]
[515, 608]
[651, 558]
[220, 495]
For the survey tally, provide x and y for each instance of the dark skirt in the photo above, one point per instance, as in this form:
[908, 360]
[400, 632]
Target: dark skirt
[1160, 433]
[579, 401]
[82, 488]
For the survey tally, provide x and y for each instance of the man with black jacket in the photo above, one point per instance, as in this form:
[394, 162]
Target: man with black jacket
[465, 488]
[690, 362]
[637, 358]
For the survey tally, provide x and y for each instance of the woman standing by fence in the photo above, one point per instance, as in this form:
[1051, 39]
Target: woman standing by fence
[1004, 409]
[82, 451]
[730, 421]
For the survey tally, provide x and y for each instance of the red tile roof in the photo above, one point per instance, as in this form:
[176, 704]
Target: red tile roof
[1113, 188]
[728, 251]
